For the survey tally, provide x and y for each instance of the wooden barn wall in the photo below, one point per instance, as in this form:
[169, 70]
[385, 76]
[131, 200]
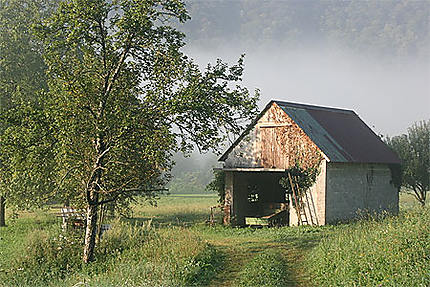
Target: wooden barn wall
[276, 141]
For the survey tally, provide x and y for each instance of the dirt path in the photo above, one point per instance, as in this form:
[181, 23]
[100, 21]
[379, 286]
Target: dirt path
[238, 252]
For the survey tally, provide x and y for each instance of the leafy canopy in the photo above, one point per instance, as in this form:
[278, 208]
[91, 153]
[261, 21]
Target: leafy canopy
[413, 150]
[123, 97]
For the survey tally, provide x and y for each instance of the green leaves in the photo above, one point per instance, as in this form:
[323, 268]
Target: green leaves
[304, 178]
[123, 96]
[413, 150]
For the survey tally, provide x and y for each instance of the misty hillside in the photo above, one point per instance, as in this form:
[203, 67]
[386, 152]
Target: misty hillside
[399, 28]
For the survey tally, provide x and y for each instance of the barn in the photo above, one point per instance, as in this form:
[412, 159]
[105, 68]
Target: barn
[355, 168]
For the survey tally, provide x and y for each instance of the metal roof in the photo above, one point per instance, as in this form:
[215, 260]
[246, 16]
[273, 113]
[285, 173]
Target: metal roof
[340, 134]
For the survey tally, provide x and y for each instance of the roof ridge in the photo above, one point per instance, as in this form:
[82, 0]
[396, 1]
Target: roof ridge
[313, 107]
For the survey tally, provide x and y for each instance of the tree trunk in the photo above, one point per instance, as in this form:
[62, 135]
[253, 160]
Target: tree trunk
[2, 211]
[90, 233]
[92, 193]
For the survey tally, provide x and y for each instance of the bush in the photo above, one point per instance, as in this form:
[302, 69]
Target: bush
[265, 269]
[217, 185]
[391, 252]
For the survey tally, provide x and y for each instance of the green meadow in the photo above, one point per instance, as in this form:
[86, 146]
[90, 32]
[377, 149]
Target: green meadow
[171, 244]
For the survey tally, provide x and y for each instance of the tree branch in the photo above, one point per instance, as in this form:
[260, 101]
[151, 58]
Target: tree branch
[111, 82]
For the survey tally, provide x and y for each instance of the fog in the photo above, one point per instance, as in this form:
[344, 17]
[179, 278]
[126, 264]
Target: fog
[388, 89]
[389, 94]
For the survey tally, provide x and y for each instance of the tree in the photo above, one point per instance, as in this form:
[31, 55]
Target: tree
[413, 150]
[123, 98]
[22, 79]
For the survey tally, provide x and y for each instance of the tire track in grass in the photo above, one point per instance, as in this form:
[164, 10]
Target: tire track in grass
[237, 254]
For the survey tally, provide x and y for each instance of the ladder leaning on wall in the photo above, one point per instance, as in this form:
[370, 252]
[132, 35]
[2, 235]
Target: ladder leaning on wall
[301, 203]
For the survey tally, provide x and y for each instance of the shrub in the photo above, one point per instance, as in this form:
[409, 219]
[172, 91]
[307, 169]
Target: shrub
[265, 269]
[217, 185]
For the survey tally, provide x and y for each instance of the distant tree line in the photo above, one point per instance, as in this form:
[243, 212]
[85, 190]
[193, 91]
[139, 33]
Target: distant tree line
[390, 28]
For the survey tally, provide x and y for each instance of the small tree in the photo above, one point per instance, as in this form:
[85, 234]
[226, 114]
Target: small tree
[123, 97]
[413, 150]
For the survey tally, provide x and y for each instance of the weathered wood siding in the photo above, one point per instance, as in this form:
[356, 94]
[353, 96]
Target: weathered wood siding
[276, 141]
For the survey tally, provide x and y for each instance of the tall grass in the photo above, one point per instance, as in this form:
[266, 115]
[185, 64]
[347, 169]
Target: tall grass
[267, 269]
[128, 255]
[176, 209]
[391, 252]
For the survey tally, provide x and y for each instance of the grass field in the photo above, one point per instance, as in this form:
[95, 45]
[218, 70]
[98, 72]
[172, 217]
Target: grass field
[171, 245]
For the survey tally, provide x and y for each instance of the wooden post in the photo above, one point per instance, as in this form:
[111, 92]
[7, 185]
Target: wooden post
[211, 218]
[313, 205]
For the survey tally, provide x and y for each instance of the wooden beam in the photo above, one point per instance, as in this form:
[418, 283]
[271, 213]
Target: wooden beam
[273, 125]
[253, 169]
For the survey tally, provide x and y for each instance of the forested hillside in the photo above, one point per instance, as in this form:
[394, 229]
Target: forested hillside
[398, 28]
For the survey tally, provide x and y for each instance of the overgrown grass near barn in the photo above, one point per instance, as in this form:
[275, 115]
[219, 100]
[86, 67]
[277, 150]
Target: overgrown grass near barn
[391, 252]
[179, 249]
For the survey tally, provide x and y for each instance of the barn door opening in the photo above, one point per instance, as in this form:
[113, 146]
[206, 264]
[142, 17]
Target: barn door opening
[265, 199]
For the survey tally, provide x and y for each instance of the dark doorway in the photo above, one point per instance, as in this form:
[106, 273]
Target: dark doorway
[259, 195]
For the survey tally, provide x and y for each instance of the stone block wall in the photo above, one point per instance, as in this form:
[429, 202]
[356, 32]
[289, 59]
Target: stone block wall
[354, 189]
